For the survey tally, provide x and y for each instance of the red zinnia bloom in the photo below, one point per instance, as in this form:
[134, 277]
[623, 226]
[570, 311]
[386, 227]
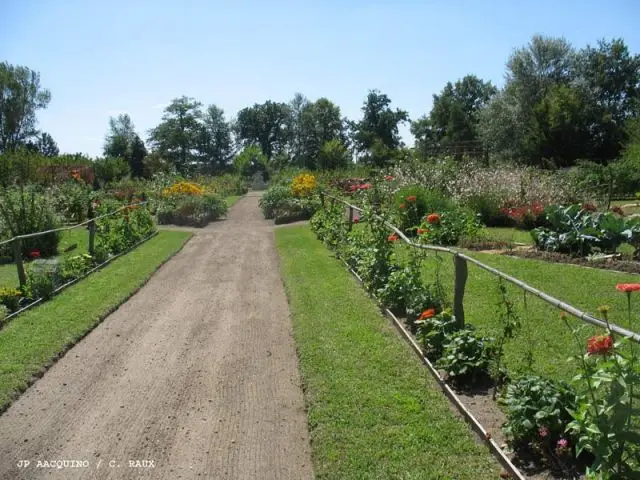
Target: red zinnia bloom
[411, 198]
[366, 186]
[388, 178]
[600, 345]
[353, 188]
[427, 313]
[393, 238]
[618, 210]
[356, 220]
[589, 207]
[433, 218]
[628, 287]
[35, 253]
[421, 231]
[402, 205]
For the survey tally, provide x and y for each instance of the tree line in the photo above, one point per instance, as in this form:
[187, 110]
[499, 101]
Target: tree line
[558, 105]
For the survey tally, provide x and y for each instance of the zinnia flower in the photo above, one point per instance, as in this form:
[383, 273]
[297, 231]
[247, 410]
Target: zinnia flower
[411, 198]
[366, 186]
[600, 345]
[562, 446]
[356, 220]
[402, 205]
[35, 253]
[421, 231]
[543, 432]
[628, 287]
[433, 218]
[393, 238]
[388, 178]
[427, 314]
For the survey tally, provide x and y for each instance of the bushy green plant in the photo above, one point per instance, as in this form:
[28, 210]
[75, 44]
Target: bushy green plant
[4, 312]
[488, 207]
[374, 265]
[421, 300]
[110, 169]
[75, 266]
[121, 231]
[413, 202]
[194, 210]
[448, 227]
[25, 210]
[274, 198]
[537, 410]
[466, 357]
[10, 298]
[403, 284]
[330, 225]
[434, 331]
[295, 209]
[71, 200]
[42, 280]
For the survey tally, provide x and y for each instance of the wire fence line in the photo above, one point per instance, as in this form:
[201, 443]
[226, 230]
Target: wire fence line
[461, 273]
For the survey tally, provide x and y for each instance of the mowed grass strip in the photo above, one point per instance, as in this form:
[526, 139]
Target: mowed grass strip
[373, 410]
[35, 338]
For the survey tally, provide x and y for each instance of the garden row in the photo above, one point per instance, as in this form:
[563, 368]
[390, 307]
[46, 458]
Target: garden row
[592, 422]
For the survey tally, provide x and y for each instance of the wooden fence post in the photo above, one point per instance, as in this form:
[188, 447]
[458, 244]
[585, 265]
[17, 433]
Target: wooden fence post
[350, 218]
[461, 274]
[322, 199]
[92, 231]
[17, 256]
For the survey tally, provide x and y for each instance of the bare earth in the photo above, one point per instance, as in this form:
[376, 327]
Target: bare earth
[197, 373]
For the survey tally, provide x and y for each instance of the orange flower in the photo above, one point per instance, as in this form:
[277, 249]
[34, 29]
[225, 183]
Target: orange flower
[600, 345]
[393, 238]
[411, 198]
[628, 287]
[75, 174]
[402, 205]
[428, 313]
[433, 218]
[421, 231]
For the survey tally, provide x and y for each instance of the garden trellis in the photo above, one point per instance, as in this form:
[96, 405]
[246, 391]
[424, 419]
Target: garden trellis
[461, 272]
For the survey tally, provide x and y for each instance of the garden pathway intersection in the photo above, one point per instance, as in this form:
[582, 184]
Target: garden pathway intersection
[196, 376]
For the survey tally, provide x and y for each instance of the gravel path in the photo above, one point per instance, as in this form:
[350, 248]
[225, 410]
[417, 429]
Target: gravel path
[196, 376]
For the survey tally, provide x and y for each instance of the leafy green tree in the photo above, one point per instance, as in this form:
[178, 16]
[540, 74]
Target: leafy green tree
[321, 123]
[20, 97]
[215, 143]
[136, 154]
[266, 125]
[177, 135]
[333, 154]
[110, 169]
[119, 137]
[454, 116]
[47, 146]
[297, 107]
[250, 160]
[377, 133]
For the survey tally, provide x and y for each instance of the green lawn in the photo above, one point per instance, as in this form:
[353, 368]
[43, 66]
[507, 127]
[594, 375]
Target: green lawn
[506, 234]
[548, 336]
[36, 337]
[373, 410]
[232, 200]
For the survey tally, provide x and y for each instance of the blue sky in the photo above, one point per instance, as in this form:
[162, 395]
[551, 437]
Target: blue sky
[103, 58]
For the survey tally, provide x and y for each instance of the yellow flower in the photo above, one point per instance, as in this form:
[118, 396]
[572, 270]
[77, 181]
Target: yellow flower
[184, 188]
[303, 185]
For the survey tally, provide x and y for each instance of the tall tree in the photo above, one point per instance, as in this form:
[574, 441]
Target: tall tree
[377, 133]
[454, 116]
[266, 125]
[297, 106]
[320, 123]
[47, 146]
[215, 145]
[177, 135]
[119, 137]
[136, 154]
[20, 97]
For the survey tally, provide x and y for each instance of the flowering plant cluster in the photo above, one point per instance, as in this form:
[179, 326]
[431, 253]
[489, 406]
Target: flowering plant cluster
[526, 216]
[183, 188]
[303, 185]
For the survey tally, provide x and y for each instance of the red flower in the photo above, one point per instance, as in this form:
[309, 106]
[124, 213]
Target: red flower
[388, 178]
[411, 198]
[428, 313]
[600, 345]
[433, 218]
[393, 237]
[589, 207]
[421, 231]
[366, 186]
[356, 220]
[628, 287]
[35, 253]
[618, 210]
[402, 205]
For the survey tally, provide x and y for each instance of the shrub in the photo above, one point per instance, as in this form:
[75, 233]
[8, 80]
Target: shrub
[466, 357]
[537, 409]
[71, 200]
[273, 198]
[184, 189]
[121, 231]
[295, 209]
[196, 210]
[42, 279]
[10, 298]
[434, 331]
[75, 266]
[413, 202]
[25, 210]
[448, 227]
[403, 284]
[303, 185]
[110, 169]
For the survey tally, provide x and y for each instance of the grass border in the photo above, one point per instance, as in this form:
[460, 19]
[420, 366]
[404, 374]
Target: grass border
[101, 317]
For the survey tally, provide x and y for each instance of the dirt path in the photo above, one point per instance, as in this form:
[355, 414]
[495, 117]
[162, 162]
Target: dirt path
[197, 373]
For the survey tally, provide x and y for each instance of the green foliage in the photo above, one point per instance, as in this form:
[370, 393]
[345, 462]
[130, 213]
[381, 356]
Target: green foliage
[402, 285]
[466, 357]
[71, 200]
[25, 210]
[196, 211]
[75, 266]
[250, 161]
[453, 226]
[333, 155]
[533, 403]
[21, 97]
[4, 312]
[10, 298]
[274, 198]
[435, 332]
[110, 169]
[330, 226]
[264, 125]
[409, 212]
[42, 279]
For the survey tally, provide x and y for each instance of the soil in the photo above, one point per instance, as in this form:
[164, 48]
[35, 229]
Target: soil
[197, 373]
[624, 264]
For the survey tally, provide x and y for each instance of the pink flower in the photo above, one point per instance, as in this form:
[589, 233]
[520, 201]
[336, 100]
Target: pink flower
[543, 432]
[628, 287]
